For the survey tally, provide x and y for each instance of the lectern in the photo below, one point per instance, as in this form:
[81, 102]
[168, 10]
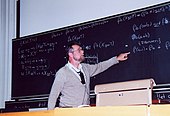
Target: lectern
[137, 92]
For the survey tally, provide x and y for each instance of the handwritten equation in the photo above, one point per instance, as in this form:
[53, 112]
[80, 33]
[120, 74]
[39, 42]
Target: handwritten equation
[143, 14]
[143, 39]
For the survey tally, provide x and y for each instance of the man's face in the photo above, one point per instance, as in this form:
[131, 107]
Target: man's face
[78, 53]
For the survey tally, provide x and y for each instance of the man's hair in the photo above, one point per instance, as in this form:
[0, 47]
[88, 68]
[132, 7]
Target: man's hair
[69, 47]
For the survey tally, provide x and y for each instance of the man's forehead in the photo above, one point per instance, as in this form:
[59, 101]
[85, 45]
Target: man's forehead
[76, 46]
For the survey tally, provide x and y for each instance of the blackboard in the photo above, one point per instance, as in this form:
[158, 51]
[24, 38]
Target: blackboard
[144, 32]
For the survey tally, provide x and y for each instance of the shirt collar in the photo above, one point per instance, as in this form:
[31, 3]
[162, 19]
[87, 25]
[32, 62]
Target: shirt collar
[73, 67]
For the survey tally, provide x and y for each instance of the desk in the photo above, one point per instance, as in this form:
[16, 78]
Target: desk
[34, 113]
[160, 110]
[103, 111]
[153, 110]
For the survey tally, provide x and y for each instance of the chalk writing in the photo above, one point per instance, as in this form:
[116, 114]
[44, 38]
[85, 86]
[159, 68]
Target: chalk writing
[149, 42]
[163, 96]
[143, 13]
[141, 26]
[68, 31]
[164, 21]
[91, 58]
[98, 45]
[75, 37]
[34, 49]
[126, 18]
[158, 10]
[140, 36]
[39, 67]
[34, 60]
[27, 41]
[92, 25]
[56, 34]
[35, 73]
[167, 44]
[160, 96]
[145, 48]
[103, 44]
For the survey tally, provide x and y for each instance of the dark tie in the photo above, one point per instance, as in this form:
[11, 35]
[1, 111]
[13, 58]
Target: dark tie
[82, 77]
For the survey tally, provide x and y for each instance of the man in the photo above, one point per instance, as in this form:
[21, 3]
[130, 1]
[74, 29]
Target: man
[68, 84]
